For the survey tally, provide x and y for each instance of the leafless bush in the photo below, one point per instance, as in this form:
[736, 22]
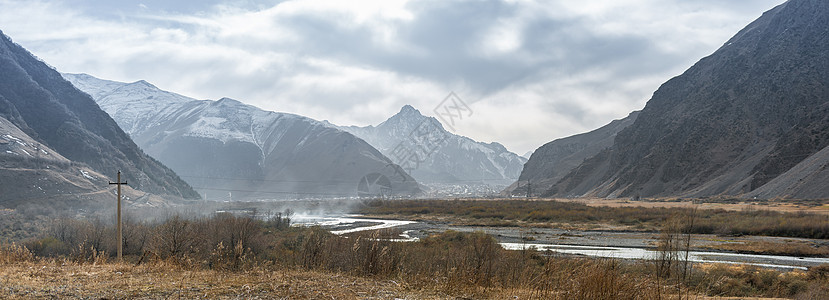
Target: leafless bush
[136, 235]
[64, 236]
[674, 245]
[175, 238]
[231, 240]
[279, 220]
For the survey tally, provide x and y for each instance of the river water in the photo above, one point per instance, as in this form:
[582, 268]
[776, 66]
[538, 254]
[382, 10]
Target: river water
[347, 224]
[767, 261]
[351, 224]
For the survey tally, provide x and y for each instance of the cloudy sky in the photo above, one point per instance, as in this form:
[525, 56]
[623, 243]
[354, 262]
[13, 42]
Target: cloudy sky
[531, 71]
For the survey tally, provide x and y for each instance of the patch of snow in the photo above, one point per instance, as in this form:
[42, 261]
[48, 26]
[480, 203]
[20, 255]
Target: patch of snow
[87, 176]
[10, 137]
[218, 128]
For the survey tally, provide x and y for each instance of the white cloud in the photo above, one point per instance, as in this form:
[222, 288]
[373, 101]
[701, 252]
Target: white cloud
[532, 71]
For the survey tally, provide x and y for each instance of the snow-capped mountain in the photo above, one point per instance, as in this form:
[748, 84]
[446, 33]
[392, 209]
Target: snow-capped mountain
[227, 149]
[434, 155]
[134, 106]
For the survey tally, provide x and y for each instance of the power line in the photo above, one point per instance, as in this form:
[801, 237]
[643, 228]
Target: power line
[265, 180]
[318, 181]
[272, 192]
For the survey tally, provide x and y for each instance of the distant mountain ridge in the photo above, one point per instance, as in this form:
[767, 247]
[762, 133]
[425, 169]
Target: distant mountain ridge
[227, 149]
[732, 124]
[49, 111]
[552, 161]
[455, 159]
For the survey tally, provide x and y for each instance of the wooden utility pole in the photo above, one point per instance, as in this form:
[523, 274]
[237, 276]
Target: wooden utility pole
[120, 236]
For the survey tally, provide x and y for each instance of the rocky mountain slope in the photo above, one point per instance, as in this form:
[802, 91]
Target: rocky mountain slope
[552, 161]
[35, 177]
[229, 150]
[447, 158]
[54, 117]
[732, 123]
[31, 170]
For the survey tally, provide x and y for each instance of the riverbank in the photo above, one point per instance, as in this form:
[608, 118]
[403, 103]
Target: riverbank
[705, 248]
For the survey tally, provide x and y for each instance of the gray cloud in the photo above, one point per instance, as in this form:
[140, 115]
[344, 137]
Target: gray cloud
[532, 71]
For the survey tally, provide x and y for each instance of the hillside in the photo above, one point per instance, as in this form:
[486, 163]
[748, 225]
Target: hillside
[726, 126]
[552, 161]
[46, 108]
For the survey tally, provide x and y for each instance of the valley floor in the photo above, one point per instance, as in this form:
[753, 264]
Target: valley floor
[56, 280]
[44, 280]
[458, 255]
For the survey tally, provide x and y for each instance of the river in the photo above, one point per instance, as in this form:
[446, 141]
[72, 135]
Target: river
[350, 224]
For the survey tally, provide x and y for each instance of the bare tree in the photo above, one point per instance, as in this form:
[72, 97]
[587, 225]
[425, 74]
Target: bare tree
[674, 247]
[174, 237]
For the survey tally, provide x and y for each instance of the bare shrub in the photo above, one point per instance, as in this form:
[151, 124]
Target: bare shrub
[279, 220]
[674, 246]
[174, 238]
[819, 273]
[136, 235]
[64, 236]
[232, 240]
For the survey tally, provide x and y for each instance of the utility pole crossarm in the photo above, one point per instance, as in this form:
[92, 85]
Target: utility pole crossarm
[120, 236]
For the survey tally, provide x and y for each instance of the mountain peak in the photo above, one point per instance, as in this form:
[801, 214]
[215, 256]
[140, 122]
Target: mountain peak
[452, 158]
[141, 83]
[228, 101]
[407, 117]
[409, 110]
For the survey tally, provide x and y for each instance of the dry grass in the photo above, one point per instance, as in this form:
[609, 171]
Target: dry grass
[789, 247]
[783, 206]
[58, 279]
[55, 279]
[514, 212]
[14, 253]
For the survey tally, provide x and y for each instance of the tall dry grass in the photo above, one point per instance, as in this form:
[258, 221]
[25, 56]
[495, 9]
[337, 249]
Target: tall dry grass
[14, 253]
